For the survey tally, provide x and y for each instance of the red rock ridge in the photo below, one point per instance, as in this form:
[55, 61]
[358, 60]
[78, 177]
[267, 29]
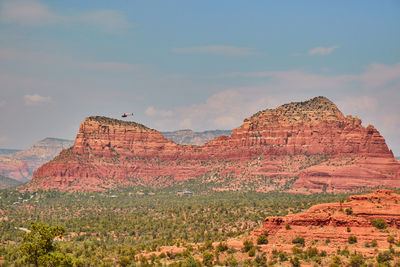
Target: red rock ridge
[297, 141]
[338, 221]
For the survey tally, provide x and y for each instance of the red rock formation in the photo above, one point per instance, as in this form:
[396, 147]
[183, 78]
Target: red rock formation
[21, 165]
[298, 146]
[338, 221]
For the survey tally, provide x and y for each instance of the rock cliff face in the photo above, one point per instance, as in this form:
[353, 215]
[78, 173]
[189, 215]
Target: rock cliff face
[337, 222]
[189, 137]
[21, 164]
[303, 147]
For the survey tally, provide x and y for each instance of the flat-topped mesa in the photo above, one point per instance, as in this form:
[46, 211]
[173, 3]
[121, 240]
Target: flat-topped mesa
[105, 136]
[315, 126]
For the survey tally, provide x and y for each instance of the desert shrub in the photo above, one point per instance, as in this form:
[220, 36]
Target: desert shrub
[356, 260]
[311, 252]
[297, 250]
[295, 261]
[231, 261]
[345, 252]
[336, 260]
[221, 247]
[349, 211]
[248, 244]
[352, 239]
[374, 243]
[261, 260]
[299, 241]
[384, 257]
[287, 226]
[252, 252]
[208, 258]
[282, 256]
[379, 223]
[262, 239]
[390, 239]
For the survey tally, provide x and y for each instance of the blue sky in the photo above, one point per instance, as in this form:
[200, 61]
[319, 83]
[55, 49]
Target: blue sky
[185, 64]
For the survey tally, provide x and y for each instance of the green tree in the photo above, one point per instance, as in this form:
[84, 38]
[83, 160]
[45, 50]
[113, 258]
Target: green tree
[191, 262]
[356, 260]
[384, 257]
[208, 258]
[262, 239]
[39, 248]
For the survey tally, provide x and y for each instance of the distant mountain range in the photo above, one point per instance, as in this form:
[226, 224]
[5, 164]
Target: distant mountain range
[6, 182]
[189, 137]
[21, 164]
[6, 152]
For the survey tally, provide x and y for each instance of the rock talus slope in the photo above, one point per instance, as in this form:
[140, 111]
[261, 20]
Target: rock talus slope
[298, 147]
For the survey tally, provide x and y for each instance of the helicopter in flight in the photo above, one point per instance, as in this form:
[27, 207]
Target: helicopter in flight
[126, 115]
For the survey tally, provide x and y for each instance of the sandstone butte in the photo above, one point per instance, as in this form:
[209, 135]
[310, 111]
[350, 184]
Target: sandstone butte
[298, 147]
[336, 222]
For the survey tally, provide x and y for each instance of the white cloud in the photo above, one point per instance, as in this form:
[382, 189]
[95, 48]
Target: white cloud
[322, 50]
[377, 75]
[374, 76]
[26, 12]
[355, 94]
[222, 50]
[35, 13]
[36, 99]
[358, 104]
[153, 112]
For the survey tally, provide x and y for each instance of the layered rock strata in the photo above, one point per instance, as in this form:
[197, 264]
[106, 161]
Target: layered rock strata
[303, 146]
[336, 222]
[21, 164]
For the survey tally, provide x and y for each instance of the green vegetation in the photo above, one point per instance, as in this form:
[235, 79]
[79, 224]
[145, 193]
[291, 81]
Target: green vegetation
[119, 227]
[299, 241]
[352, 239]
[349, 211]
[379, 223]
[38, 246]
[262, 239]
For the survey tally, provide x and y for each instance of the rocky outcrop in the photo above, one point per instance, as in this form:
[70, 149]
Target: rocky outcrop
[303, 147]
[21, 164]
[189, 137]
[338, 221]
